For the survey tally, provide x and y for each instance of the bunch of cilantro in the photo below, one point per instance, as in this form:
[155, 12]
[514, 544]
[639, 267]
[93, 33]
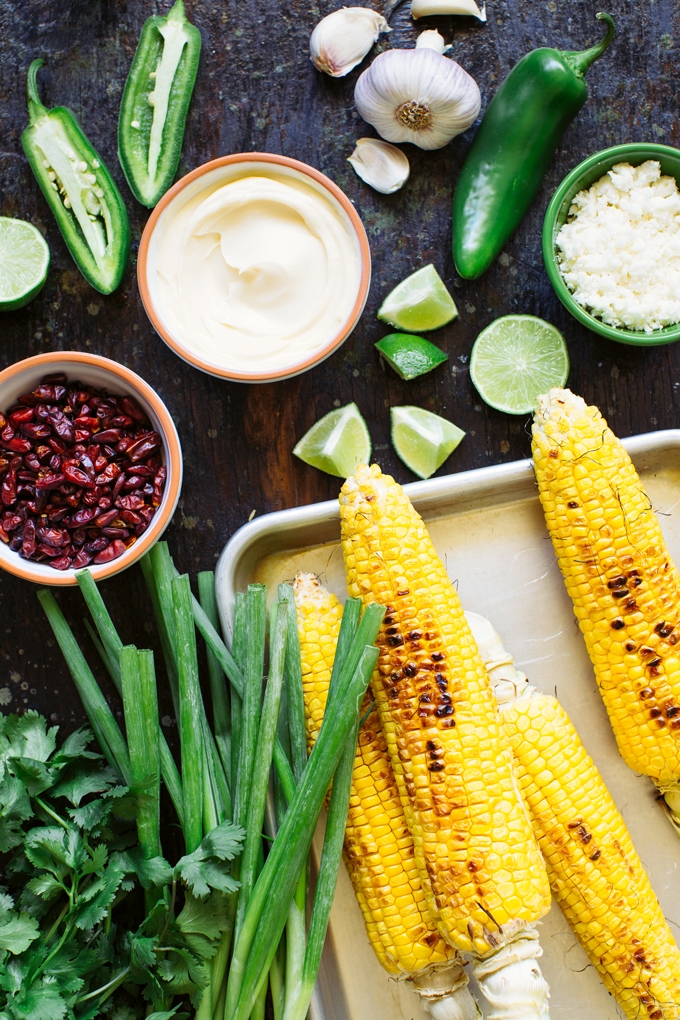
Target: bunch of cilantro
[77, 937]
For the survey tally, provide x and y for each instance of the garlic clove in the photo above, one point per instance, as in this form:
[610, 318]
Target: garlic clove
[423, 8]
[417, 96]
[342, 39]
[431, 39]
[385, 167]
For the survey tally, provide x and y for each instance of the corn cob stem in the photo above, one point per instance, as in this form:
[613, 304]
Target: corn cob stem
[596, 876]
[621, 578]
[378, 847]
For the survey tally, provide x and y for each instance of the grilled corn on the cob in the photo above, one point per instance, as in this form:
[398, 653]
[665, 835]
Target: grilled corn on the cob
[622, 580]
[595, 874]
[479, 863]
[378, 844]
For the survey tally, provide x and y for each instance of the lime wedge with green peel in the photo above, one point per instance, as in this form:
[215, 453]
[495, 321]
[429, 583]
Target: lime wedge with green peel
[515, 360]
[422, 439]
[337, 443]
[419, 303]
[24, 261]
[409, 355]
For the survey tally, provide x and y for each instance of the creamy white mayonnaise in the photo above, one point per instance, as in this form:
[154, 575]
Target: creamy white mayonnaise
[255, 274]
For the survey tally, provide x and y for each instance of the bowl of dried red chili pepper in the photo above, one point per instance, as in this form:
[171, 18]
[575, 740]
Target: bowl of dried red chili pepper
[90, 467]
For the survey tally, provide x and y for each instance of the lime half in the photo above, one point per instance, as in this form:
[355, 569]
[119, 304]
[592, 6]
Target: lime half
[422, 439]
[409, 355]
[24, 261]
[419, 303]
[337, 443]
[515, 360]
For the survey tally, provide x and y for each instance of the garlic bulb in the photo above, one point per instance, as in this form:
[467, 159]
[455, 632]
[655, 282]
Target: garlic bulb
[423, 8]
[383, 166]
[417, 96]
[342, 39]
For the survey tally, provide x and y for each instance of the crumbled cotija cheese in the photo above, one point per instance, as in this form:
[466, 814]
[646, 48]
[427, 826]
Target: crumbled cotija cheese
[620, 248]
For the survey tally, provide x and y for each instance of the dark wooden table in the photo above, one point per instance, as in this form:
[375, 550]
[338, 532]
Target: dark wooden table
[257, 90]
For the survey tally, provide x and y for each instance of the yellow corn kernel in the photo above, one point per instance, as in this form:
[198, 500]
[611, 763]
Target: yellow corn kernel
[378, 845]
[451, 759]
[595, 874]
[622, 580]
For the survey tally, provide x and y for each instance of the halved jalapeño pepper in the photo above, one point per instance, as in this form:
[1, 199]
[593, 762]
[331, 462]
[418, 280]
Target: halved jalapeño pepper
[79, 189]
[513, 147]
[155, 103]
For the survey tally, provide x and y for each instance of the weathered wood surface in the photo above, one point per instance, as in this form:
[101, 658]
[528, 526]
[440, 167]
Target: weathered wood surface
[257, 90]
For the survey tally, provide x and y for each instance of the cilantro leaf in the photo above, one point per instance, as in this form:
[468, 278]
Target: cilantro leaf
[15, 808]
[150, 872]
[91, 911]
[200, 872]
[18, 932]
[82, 781]
[29, 737]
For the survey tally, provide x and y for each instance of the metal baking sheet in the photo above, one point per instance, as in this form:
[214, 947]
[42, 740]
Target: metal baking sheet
[488, 527]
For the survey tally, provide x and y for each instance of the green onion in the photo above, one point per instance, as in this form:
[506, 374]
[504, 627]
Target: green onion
[140, 704]
[294, 694]
[239, 646]
[105, 727]
[263, 757]
[299, 996]
[190, 711]
[256, 628]
[109, 650]
[218, 688]
[275, 887]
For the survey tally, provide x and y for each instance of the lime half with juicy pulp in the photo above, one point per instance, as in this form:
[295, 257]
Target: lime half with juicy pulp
[515, 360]
[24, 261]
[409, 355]
[422, 439]
[419, 303]
[337, 443]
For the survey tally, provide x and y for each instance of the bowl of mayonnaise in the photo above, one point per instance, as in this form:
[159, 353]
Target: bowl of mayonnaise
[254, 267]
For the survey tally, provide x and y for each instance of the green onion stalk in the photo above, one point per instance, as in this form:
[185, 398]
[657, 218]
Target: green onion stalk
[225, 765]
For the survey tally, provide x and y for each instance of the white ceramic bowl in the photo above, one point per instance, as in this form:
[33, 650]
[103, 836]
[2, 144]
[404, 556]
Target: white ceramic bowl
[219, 171]
[102, 373]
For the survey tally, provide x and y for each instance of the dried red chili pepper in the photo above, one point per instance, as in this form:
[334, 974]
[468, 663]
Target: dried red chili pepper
[86, 478]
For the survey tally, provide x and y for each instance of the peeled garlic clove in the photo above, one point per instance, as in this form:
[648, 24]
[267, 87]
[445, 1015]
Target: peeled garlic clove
[417, 96]
[342, 39]
[432, 40]
[423, 8]
[383, 166]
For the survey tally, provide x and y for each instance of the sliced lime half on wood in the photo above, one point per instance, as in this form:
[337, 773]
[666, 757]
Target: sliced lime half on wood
[24, 262]
[516, 359]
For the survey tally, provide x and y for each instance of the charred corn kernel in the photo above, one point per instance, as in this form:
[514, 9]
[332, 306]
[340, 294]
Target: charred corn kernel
[621, 578]
[595, 874]
[478, 860]
[378, 844]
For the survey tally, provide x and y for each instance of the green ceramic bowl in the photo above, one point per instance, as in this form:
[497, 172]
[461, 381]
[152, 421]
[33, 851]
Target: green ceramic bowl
[583, 176]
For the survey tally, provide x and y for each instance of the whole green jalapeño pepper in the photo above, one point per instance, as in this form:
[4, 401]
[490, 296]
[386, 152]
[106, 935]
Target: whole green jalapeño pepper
[513, 147]
[155, 103]
[79, 190]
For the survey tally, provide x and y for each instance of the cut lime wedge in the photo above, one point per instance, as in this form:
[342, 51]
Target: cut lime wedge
[515, 360]
[337, 443]
[409, 355]
[419, 303]
[24, 261]
[422, 439]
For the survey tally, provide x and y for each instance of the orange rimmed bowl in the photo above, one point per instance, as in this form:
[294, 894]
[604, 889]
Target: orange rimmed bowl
[207, 178]
[103, 374]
